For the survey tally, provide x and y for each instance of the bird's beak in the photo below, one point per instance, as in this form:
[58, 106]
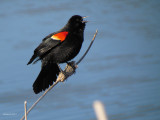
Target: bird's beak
[85, 17]
[84, 21]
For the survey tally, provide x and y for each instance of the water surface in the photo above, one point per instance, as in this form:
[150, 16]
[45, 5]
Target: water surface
[122, 69]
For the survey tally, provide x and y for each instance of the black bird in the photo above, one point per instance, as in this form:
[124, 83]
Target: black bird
[57, 47]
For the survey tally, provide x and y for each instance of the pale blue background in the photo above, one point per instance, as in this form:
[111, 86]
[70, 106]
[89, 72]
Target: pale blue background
[122, 69]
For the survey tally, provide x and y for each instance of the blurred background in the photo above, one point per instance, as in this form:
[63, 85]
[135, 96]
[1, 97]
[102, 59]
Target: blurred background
[122, 69]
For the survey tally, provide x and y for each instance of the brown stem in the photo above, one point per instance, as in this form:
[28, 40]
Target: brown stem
[69, 70]
[88, 48]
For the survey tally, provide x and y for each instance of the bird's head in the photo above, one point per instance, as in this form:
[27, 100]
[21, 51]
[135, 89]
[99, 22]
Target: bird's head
[77, 23]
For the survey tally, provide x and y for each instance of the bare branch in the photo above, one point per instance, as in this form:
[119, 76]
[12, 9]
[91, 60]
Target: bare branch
[68, 71]
[25, 109]
[40, 98]
[88, 48]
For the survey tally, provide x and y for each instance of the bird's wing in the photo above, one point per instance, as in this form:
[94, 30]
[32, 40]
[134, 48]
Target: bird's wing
[48, 43]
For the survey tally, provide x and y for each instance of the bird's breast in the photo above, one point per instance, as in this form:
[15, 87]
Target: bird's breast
[67, 50]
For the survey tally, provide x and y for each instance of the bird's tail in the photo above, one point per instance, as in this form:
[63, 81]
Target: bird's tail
[47, 75]
[32, 59]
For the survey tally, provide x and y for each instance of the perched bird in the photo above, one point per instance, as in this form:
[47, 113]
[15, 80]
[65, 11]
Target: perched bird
[57, 47]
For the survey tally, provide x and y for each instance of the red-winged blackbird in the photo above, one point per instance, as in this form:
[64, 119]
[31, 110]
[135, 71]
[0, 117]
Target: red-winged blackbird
[57, 47]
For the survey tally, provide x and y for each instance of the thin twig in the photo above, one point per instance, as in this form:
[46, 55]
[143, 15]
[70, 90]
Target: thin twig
[88, 48]
[40, 98]
[69, 70]
[25, 109]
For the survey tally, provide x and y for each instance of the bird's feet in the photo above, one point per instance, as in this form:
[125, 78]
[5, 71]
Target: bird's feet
[72, 64]
[62, 74]
[69, 70]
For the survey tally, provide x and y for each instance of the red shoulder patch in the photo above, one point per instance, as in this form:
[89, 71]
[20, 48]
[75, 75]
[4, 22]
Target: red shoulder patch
[60, 36]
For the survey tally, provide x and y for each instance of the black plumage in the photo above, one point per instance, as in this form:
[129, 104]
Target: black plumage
[58, 47]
